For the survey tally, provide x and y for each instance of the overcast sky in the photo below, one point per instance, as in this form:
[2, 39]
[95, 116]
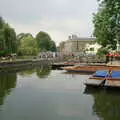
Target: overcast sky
[59, 18]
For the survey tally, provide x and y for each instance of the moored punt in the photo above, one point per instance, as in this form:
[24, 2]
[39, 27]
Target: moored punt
[95, 82]
[89, 68]
[103, 83]
[112, 83]
[101, 80]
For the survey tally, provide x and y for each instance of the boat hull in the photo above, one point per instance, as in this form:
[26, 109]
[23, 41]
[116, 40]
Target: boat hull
[107, 83]
[80, 71]
[89, 69]
[102, 78]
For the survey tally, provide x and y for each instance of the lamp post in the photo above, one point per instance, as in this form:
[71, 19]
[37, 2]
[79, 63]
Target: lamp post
[117, 45]
[77, 47]
[117, 31]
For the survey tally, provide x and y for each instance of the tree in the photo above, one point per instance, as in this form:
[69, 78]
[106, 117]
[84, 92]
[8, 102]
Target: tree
[107, 23]
[22, 35]
[10, 39]
[7, 39]
[44, 42]
[102, 51]
[1, 22]
[2, 38]
[27, 45]
[53, 47]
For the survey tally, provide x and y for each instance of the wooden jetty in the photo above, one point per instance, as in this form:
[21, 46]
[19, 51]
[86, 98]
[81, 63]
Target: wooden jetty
[59, 65]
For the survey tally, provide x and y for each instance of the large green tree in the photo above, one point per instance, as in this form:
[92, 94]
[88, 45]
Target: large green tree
[10, 39]
[2, 38]
[44, 42]
[27, 45]
[7, 38]
[21, 36]
[107, 23]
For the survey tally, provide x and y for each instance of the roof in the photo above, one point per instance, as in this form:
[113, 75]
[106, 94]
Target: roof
[83, 38]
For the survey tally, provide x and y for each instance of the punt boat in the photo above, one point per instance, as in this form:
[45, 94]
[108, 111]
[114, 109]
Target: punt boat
[101, 79]
[89, 68]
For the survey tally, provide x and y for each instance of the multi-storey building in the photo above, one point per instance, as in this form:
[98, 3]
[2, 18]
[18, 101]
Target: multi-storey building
[75, 44]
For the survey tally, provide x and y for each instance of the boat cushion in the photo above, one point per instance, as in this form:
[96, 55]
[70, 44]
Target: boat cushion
[100, 73]
[103, 73]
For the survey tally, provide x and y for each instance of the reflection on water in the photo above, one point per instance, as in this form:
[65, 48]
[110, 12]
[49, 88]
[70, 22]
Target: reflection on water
[54, 95]
[7, 81]
[43, 72]
[27, 72]
[106, 103]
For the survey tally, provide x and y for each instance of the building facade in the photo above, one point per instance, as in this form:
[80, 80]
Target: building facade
[75, 44]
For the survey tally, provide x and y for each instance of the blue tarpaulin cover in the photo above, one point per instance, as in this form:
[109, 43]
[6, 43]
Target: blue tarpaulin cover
[103, 73]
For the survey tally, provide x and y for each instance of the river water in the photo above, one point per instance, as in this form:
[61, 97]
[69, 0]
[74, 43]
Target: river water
[44, 94]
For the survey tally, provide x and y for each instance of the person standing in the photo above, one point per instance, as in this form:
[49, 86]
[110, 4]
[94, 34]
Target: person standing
[109, 74]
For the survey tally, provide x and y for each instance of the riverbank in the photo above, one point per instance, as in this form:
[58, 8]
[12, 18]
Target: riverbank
[15, 65]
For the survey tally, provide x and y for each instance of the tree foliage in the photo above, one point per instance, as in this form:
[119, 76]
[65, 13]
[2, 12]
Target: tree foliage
[44, 42]
[53, 47]
[23, 43]
[102, 51]
[27, 44]
[107, 23]
[10, 39]
[7, 39]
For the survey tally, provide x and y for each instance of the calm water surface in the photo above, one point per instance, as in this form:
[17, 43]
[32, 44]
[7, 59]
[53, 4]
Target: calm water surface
[43, 94]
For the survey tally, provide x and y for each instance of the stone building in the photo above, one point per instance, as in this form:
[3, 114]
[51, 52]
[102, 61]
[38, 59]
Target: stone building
[75, 44]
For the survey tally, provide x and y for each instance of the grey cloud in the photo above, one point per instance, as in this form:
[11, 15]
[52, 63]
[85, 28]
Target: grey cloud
[28, 11]
[58, 17]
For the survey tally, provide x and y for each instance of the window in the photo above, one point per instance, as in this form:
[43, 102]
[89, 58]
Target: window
[91, 49]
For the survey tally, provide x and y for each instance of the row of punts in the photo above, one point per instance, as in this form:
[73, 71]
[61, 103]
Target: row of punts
[99, 77]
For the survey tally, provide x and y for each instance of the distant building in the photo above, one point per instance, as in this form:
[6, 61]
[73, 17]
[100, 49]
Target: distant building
[62, 47]
[75, 44]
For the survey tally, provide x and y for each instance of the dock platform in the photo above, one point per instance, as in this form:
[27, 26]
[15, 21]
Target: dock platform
[62, 64]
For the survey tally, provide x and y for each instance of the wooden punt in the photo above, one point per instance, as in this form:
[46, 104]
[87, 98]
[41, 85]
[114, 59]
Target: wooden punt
[89, 68]
[105, 82]
[95, 82]
[112, 83]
